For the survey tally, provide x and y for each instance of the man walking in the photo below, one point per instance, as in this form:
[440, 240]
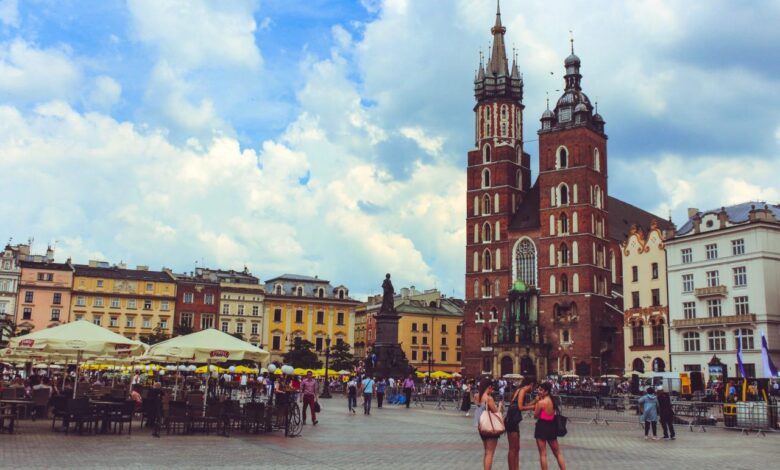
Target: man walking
[368, 392]
[309, 397]
[665, 412]
[408, 387]
[380, 391]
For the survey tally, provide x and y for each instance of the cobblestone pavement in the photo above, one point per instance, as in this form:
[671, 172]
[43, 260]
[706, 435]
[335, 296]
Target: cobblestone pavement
[389, 438]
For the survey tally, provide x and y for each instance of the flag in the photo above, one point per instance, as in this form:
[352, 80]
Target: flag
[740, 364]
[769, 368]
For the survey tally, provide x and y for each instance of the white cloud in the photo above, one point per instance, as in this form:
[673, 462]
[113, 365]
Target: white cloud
[431, 145]
[9, 12]
[30, 74]
[198, 33]
[104, 93]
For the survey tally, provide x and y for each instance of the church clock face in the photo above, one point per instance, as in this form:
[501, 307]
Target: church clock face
[565, 115]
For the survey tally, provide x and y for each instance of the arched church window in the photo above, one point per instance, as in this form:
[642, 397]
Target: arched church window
[485, 178]
[562, 158]
[564, 224]
[596, 160]
[525, 262]
[486, 232]
[486, 154]
[564, 284]
[487, 260]
[486, 205]
[564, 194]
[564, 254]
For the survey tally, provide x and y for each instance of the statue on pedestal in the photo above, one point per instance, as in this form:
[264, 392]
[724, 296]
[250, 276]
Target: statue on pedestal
[388, 297]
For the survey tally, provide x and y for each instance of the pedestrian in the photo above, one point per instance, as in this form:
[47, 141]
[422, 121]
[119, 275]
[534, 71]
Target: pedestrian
[649, 404]
[309, 397]
[367, 386]
[380, 391]
[352, 394]
[665, 412]
[408, 387]
[155, 408]
[485, 403]
[465, 404]
[546, 430]
[514, 416]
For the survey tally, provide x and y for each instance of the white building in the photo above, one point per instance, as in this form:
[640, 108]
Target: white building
[10, 272]
[724, 286]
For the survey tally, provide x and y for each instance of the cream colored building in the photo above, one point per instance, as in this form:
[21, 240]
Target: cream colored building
[645, 300]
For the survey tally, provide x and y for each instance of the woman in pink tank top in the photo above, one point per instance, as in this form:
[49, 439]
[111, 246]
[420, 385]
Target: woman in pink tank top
[546, 431]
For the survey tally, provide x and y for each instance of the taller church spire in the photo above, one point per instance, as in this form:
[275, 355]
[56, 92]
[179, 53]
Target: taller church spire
[496, 81]
[498, 65]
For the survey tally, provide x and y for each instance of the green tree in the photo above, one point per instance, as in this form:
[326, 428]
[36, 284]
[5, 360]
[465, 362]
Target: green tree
[302, 355]
[238, 336]
[181, 330]
[158, 335]
[340, 357]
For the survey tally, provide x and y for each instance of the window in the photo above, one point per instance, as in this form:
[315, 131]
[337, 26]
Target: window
[687, 255]
[255, 310]
[738, 247]
[340, 318]
[457, 356]
[635, 299]
[225, 326]
[130, 322]
[741, 305]
[414, 339]
[487, 260]
[81, 301]
[457, 342]
[745, 337]
[149, 287]
[164, 305]
[713, 279]
[485, 178]
[113, 321]
[27, 313]
[692, 368]
[146, 323]
[425, 341]
[318, 344]
[79, 317]
[28, 296]
[100, 283]
[278, 315]
[740, 276]
[225, 309]
[565, 336]
[655, 296]
[131, 303]
[425, 327]
[276, 342]
[654, 269]
[444, 328]
[147, 304]
[717, 340]
[525, 262]
[241, 309]
[564, 222]
[638, 334]
[320, 292]
[299, 316]
[98, 302]
[189, 297]
[55, 314]
[711, 250]
[750, 370]
[96, 320]
[689, 310]
[320, 317]
[425, 355]
[691, 341]
[634, 273]
[299, 291]
[163, 323]
[444, 341]
[563, 155]
[658, 334]
[714, 308]
[339, 341]
[443, 356]
[240, 328]
[414, 326]
[341, 294]
[186, 320]
[414, 355]
[57, 300]
[116, 303]
[206, 321]
[255, 327]
[687, 282]
[278, 289]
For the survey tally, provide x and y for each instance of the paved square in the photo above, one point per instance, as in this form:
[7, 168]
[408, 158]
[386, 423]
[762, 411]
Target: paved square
[389, 438]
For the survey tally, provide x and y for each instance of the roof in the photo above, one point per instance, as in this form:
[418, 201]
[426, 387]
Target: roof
[623, 215]
[46, 265]
[219, 275]
[527, 215]
[737, 214]
[445, 306]
[298, 277]
[311, 286]
[116, 272]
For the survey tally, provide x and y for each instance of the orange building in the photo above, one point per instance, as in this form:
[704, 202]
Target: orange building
[44, 295]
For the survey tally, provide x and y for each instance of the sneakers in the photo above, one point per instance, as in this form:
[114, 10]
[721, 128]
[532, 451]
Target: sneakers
[655, 438]
[666, 438]
[672, 438]
[315, 422]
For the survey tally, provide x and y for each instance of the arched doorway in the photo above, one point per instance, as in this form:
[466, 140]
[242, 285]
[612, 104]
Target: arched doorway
[638, 365]
[527, 367]
[507, 366]
[659, 365]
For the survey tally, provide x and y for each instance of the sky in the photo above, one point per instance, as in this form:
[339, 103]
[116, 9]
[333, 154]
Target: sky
[329, 138]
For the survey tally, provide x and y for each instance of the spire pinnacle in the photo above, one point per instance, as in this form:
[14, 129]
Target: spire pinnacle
[571, 39]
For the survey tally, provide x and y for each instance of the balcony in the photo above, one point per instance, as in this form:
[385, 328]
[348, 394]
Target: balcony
[714, 321]
[716, 291]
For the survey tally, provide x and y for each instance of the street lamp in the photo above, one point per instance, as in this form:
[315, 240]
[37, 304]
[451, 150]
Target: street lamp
[326, 391]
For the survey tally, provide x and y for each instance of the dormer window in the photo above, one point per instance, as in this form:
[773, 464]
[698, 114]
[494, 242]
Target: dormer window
[341, 294]
[278, 289]
[320, 292]
[299, 291]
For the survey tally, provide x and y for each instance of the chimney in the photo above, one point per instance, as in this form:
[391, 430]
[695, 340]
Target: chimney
[692, 211]
[93, 263]
[142, 267]
[49, 253]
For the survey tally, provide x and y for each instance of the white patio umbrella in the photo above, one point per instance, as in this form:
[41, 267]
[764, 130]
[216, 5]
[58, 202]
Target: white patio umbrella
[80, 338]
[208, 346]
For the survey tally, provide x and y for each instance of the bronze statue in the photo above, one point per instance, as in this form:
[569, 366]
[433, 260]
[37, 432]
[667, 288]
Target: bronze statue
[388, 301]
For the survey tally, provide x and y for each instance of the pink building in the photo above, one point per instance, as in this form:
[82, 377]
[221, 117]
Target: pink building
[44, 295]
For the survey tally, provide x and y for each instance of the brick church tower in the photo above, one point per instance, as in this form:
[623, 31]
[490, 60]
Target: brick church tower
[574, 271]
[498, 177]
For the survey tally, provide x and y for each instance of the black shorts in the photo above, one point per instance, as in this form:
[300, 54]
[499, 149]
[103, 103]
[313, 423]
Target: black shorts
[513, 418]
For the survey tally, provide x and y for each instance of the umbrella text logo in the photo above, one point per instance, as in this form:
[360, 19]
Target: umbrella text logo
[219, 353]
[26, 343]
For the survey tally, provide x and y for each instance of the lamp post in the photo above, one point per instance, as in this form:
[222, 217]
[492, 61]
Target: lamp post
[326, 388]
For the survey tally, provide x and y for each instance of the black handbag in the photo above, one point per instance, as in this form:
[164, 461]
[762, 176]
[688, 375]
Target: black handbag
[317, 407]
[560, 425]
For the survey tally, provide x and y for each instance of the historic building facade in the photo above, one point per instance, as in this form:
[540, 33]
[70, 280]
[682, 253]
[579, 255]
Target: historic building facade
[646, 313]
[43, 298]
[542, 259]
[724, 267]
[197, 302]
[308, 308]
[131, 302]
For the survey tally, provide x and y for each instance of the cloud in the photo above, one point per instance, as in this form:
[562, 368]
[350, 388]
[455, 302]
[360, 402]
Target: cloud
[9, 13]
[31, 74]
[192, 34]
[432, 145]
[104, 94]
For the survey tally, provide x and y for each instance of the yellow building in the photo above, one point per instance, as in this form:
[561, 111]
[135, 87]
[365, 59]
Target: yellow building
[132, 302]
[429, 330]
[308, 308]
[360, 331]
[646, 314]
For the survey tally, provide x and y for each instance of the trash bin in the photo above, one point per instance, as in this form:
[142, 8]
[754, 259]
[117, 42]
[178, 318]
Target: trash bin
[730, 415]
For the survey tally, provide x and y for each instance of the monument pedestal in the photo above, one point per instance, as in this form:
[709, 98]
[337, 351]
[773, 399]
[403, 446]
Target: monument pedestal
[390, 358]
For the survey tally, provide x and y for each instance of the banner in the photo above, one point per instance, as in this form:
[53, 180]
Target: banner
[769, 368]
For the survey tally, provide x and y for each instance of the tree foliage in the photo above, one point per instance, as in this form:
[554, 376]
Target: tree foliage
[302, 355]
[341, 357]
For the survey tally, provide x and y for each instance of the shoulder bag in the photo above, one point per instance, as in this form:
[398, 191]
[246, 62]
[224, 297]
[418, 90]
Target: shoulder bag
[560, 421]
[491, 424]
